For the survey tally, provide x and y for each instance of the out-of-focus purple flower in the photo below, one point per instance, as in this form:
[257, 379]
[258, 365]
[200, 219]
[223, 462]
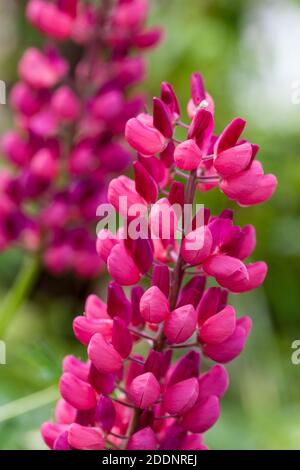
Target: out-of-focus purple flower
[70, 122]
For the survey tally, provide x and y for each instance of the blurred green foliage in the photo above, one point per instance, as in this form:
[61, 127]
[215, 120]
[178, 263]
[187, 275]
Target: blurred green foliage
[262, 408]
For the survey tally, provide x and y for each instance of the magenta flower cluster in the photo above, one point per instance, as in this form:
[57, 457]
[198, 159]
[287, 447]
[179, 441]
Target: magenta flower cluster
[70, 117]
[130, 394]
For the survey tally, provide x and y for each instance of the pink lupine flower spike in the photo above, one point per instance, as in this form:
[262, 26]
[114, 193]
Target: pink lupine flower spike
[131, 393]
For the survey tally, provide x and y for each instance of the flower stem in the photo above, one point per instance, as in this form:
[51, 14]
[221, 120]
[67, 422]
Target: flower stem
[178, 272]
[28, 404]
[177, 277]
[21, 288]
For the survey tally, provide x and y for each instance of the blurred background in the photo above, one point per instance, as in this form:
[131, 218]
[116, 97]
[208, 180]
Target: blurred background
[248, 51]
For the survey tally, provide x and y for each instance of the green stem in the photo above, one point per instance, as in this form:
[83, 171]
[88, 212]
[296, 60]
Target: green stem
[20, 290]
[27, 404]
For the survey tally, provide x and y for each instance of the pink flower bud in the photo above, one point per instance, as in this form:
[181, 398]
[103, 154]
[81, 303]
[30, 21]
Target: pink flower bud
[86, 417]
[105, 243]
[208, 304]
[223, 232]
[136, 294]
[144, 439]
[64, 412]
[230, 156]
[44, 165]
[62, 443]
[180, 324]
[15, 148]
[76, 367]
[197, 88]
[49, 19]
[76, 392]
[114, 157]
[85, 438]
[233, 160]
[125, 187]
[202, 416]
[141, 251]
[145, 185]
[131, 14]
[65, 104]
[149, 38]
[163, 220]
[244, 244]
[176, 195]
[44, 124]
[105, 414]
[180, 397]
[226, 269]
[156, 168]
[196, 246]
[249, 187]
[213, 382]
[162, 118]
[164, 250]
[69, 7]
[256, 275]
[108, 105]
[144, 390]
[154, 363]
[154, 305]
[144, 138]
[51, 431]
[117, 302]
[95, 308]
[39, 70]
[169, 97]
[84, 24]
[229, 349]
[102, 383]
[121, 337]
[187, 155]
[121, 266]
[199, 96]
[219, 327]
[167, 155]
[201, 129]
[230, 135]
[188, 366]
[103, 355]
[84, 328]
[161, 278]
[193, 442]
[192, 292]
[25, 99]
[134, 369]
[82, 159]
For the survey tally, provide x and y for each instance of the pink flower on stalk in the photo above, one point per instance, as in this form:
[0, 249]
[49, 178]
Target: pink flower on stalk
[187, 155]
[42, 70]
[52, 19]
[180, 324]
[123, 397]
[154, 305]
[143, 137]
[251, 186]
[199, 96]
